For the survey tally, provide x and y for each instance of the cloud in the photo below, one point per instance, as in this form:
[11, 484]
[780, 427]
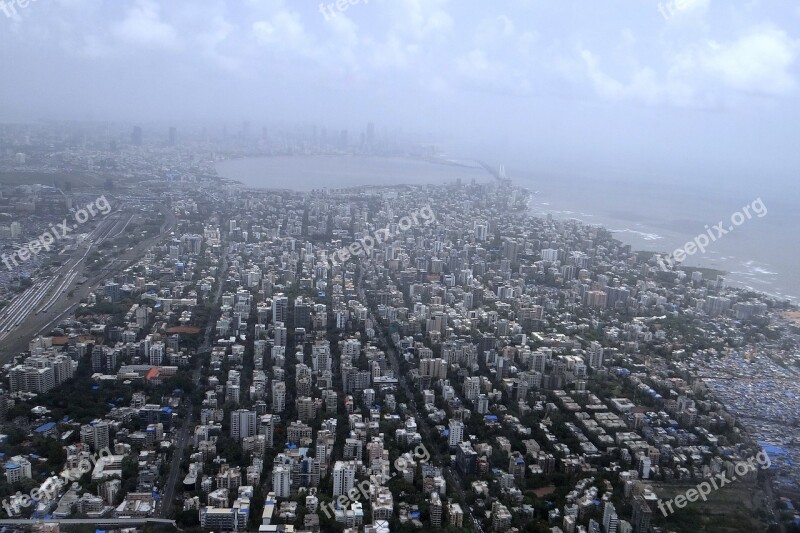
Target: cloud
[143, 27]
[692, 7]
[705, 73]
[284, 29]
[212, 40]
[423, 19]
[760, 62]
[643, 86]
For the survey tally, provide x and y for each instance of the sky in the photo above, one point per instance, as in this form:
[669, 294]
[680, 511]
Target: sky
[678, 89]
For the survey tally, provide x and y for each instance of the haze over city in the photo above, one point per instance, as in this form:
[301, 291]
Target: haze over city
[369, 266]
[690, 90]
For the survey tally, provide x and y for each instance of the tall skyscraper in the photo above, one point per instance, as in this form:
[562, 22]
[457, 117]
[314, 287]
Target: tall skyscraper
[280, 308]
[243, 424]
[172, 139]
[642, 514]
[344, 476]
[610, 519]
[278, 396]
[136, 136]
[267, 428]
[456, 433]
[95, 435]
[436, 509]
[594, 355]
[282, 481]
[370, 136]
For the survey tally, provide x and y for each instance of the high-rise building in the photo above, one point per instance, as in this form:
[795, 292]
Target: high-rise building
[642, 514]
[281, 334]
[321, 356]
[172, 137]
[472, 388]
[482, 404]
[266, 427]
[617, 296]
[501, 517]
[95, 435]
[610, 519]
[280, 308]
[306, 408]
[344, 476]
[157, 353]
[278, 396]
[466, 458]
[302, 314]
[594, 355]
[243, 424]
[370, 136]
[456, 435]
[282, 481]
[136, 136]
[17, 468]
[436, 510]
[455, 514]
[30, 379]
[226, 518]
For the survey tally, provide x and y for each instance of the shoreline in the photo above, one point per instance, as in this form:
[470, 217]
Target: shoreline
[479, 165]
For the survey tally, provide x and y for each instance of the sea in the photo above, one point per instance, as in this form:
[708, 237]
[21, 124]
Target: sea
[759, 253]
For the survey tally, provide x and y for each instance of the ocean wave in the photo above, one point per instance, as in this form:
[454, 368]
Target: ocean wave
[647, 236]
[764, 271]
[772, 294]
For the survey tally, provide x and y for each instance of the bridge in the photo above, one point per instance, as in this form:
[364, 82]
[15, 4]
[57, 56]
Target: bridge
[498, 173]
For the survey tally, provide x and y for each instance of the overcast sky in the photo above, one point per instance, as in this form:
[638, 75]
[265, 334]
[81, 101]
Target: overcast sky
[691, 86]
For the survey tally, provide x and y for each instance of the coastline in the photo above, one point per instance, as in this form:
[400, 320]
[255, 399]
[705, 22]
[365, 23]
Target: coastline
[743, 273]
[740, 282]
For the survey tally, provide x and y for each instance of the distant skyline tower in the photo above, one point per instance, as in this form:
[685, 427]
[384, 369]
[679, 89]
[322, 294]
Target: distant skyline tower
[172, 138]
[136, 136]
[370, 135]
[343, 140]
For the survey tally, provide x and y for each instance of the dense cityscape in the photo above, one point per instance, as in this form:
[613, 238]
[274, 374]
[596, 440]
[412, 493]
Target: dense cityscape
[182, 351]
